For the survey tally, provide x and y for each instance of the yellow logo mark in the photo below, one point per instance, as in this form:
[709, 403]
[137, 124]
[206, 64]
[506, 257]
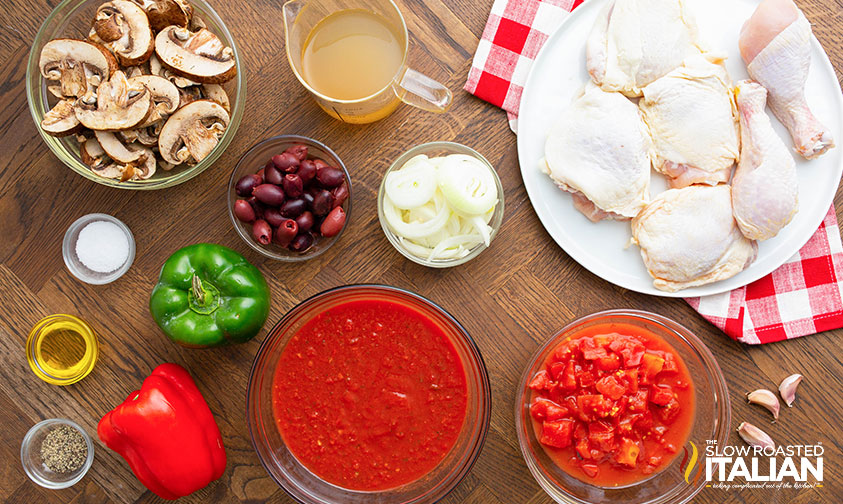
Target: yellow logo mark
[692, 462]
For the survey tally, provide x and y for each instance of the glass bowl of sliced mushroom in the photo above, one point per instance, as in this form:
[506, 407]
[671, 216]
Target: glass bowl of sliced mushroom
[136, 94]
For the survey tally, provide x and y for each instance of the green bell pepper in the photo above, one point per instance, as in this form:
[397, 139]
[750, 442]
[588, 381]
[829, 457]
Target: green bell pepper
[209, 295]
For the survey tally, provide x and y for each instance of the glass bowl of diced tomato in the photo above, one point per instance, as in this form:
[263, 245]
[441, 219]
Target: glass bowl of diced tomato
[614, 406]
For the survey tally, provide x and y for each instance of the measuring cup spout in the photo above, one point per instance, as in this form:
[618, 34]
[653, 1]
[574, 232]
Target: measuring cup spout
[291, 10]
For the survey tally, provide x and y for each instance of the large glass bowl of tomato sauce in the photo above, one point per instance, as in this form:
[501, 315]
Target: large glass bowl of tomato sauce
[309, 416]
[637, 412]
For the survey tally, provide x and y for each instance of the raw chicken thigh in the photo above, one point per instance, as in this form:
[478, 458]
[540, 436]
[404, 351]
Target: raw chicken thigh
[598, 151]
[775, 43]
[765, 191]
[634, 42]
[688, 237]
[692, 119]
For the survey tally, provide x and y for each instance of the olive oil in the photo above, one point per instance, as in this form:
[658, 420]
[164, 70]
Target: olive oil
[351, 54]
[61, 349]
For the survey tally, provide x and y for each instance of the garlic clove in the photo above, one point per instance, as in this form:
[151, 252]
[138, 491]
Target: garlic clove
[788, 388]
[764, 397]
[755, 436]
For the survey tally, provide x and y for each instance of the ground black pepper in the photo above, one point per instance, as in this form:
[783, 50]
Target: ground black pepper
[64, 449]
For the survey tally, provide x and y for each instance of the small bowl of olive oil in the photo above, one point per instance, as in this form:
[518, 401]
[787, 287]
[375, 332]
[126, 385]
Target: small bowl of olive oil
[62, 349]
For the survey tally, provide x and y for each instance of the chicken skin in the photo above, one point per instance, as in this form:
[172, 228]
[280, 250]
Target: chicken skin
[775, 43]
[598, 151]
[765, 189]
[688, 237]
[634, 42]
[692, 118]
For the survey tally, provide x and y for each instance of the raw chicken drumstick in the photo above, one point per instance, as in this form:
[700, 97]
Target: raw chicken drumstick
[765, 192]
[775, 43]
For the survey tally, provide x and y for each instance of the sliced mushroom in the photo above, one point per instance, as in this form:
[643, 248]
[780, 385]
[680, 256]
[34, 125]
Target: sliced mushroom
[80, 66]
[123, 28]
[149, 136]
[165, 97]
[217, 93]
[192, 132]
[189, 95]
[138, 70]
[146, 168]
[156, 68]
[200, 56]
[92, 154]
[165, 165]
[128, 136]
[163, 13]
[61, 121]
[117, 105]
[115, 148]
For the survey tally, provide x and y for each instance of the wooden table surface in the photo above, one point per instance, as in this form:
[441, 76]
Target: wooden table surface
[511, 298]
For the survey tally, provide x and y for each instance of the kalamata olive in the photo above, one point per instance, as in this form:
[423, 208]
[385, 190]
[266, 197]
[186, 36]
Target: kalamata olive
[293, 208]
[305, 221]
[307, 171]
[260, 174]
[293, 185]
[322, 202]
[272, 175]
[257, 206]
[244, 211]
[244, 186]
[333, 222]
[330, 177]
[285, 162]
[299, 151]
[286, 232]
[320, 164]
[269, 194]
[262, 232]
[340, 194]
[308, 198]
[273, 217]
[301, 242]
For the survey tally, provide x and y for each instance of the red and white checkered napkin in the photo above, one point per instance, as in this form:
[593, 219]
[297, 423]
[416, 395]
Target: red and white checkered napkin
[804, 296]
[514, 33]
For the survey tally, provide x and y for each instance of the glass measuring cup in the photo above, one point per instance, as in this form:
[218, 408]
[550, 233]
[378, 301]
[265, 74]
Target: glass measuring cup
[407, 85]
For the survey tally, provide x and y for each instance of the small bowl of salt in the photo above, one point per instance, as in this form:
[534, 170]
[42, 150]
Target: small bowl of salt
[98, 248]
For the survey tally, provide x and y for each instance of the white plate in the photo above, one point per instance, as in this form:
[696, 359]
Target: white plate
[559, 73]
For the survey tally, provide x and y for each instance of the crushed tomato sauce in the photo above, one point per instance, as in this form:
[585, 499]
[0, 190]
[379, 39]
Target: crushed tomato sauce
[612, 404]
[370, 395]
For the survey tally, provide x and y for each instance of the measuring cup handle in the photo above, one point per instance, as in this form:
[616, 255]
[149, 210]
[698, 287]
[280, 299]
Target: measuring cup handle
[421, 91]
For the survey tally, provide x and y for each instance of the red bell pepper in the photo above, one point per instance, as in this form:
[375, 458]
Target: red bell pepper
[167, 434]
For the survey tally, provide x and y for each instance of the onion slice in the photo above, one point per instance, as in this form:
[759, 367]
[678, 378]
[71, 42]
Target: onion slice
[467, 184]
[413, 185]
[414, 230]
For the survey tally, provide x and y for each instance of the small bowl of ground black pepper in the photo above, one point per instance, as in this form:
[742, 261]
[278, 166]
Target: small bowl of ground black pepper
[56, 453]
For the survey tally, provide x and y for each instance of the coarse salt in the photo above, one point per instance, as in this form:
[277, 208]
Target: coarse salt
[102, 246]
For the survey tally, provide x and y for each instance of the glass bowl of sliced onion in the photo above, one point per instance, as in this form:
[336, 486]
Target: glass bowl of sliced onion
[440, 204]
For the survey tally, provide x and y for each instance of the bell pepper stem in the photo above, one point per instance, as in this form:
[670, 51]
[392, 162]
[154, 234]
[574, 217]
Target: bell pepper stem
[198, 292]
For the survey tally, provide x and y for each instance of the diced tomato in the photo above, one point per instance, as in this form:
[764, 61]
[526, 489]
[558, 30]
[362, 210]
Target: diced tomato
[644, 422]
[557, 370]
[661, 395]
[609, 387]
[564, 352]
[638, 402]
[569, 378]
[669, 411]
[670, 365]
[627, 453]
[541, 381]
[610, 362]
[590, 469]
[605, 339]
[585, 379]
[557, 433]
[659, 430]
[626, 423]
[630, 379]
[590, 350]
[582, 448]
[630, 349]
[651, 365]
[602, 435]
[580, 431]
[593, 406]
[545, 409]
